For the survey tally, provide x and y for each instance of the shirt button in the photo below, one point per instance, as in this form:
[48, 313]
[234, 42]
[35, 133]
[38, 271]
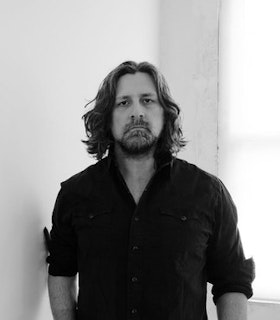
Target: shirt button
[134, 311]
[136, 218]
[135, 248]
[134, 279]
[183, 218]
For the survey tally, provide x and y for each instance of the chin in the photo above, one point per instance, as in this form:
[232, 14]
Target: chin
[136, 148]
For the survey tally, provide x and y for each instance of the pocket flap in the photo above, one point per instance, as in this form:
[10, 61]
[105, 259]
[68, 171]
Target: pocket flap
[181, 214]
[99, 216]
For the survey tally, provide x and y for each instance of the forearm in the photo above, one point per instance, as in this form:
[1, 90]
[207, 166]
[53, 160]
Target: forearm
[62, 293]
[232, 306]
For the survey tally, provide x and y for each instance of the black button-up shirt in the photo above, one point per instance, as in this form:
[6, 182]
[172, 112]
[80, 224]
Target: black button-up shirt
[152, 260]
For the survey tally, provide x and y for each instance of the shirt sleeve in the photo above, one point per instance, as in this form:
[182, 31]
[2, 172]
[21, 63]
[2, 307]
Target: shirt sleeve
[63, 248]
[227, 268]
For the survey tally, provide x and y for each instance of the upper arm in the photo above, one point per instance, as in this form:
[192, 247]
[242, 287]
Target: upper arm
[227, 268]
[63, 244]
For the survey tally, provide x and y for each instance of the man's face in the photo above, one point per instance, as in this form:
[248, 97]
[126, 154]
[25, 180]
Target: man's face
[137, 117]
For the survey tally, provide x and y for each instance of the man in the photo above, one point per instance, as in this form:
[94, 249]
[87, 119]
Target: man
[144, 230]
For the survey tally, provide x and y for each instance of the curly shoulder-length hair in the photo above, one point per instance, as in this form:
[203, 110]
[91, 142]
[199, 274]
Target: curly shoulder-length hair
[98, 119]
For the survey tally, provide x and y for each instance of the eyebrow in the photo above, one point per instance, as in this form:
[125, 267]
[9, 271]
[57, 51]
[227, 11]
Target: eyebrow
[151, 94]
[148, 94]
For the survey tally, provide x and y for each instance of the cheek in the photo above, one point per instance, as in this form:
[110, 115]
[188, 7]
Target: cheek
[113, 124]
[159, 120]
[115, 130]
[116, 125]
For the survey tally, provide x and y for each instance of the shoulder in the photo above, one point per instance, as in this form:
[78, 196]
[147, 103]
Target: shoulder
[83, 181]
[203, 188]
[205, 184]
[193, 174]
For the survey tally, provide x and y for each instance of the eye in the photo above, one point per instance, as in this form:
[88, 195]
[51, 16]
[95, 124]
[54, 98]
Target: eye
[147, 101]
[122, 103]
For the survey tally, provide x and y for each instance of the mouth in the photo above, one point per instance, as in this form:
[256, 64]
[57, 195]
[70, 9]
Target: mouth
[137, 127]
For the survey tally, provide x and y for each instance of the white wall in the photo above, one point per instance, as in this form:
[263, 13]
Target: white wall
[54, 54]
[189, 60]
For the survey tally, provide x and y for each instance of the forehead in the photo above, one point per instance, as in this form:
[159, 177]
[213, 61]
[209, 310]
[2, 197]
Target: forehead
[137, 83]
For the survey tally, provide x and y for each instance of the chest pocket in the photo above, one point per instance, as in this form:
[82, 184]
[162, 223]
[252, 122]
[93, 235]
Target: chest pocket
[93, 229]
[84, 219]
[184, 230]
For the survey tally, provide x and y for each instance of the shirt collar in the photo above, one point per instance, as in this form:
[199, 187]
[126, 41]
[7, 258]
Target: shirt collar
[165, 161]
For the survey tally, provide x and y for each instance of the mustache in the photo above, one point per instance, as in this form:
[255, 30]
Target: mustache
[136, 123]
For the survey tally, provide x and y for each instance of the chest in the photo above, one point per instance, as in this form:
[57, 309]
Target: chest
[177, 232]
[136, 187]
[136, 190]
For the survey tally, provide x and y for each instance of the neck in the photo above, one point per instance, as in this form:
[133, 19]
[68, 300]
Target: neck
[135, 167]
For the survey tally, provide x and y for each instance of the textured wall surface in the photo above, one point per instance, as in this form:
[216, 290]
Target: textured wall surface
[189, 60]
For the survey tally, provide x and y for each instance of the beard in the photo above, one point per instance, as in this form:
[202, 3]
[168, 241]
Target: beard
[137, 139]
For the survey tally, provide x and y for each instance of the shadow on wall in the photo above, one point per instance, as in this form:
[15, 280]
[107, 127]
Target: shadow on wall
[32, 275]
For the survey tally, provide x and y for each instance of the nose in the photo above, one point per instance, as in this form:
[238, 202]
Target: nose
[137, 111]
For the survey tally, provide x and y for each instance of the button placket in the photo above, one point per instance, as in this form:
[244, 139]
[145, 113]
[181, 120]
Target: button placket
[134, 263]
